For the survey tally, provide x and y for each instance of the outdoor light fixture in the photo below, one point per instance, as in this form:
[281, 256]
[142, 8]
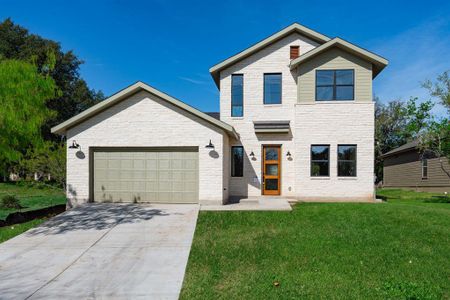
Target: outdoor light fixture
[210, 145]
[252, 154]
[288, 154]
[74, 145]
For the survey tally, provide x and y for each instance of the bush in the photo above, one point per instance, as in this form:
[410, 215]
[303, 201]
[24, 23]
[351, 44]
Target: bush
[10, 201]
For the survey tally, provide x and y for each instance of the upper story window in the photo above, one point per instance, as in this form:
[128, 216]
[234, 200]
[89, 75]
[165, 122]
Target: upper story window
[320, 160]
[237, 95]
[347, 160]
[424, 168]
[335, 85]
[272, 88]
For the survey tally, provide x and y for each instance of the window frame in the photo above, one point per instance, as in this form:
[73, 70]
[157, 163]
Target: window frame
[311, 161]
[356, 160]
[423, 167]
[232, 161]
[334, 85]
[231, 112]
[281, 88]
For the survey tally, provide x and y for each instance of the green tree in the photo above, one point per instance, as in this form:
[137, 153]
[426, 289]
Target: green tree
[23, 97]
[17, 43]
[49, 158]
[440, 89]
[435, 140]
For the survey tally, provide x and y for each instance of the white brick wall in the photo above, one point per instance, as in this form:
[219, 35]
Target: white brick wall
[335, 123]
[321, 123]
[273, 59]
[144, 120]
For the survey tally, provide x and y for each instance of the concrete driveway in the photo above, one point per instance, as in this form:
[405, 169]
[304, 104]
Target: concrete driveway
[105, 251]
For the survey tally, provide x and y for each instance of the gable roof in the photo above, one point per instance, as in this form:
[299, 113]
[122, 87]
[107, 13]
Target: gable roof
[403, 148]
[133, 89]
[295, 27]
[378, 62]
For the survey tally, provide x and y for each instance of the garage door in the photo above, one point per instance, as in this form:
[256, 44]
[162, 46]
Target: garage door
[167, 175]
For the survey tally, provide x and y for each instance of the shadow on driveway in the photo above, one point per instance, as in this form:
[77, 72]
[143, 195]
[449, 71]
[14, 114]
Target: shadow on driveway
[97, 216]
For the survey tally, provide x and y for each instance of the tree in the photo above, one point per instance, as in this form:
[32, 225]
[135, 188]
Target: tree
[435, 140]
[440, 89]
[49, 158]
[397, 123]
[23, 97]
[17, 43]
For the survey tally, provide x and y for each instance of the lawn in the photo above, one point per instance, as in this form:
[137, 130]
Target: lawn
[9, 232]
[398, 250]
[31, 196]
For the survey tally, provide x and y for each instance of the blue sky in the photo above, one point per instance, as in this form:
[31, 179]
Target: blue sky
[172, 44]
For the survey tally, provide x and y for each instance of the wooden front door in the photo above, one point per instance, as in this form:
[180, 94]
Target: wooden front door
[271, 173]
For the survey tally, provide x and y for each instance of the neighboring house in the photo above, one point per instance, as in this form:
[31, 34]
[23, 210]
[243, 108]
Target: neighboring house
[406, 167]
[296, 120]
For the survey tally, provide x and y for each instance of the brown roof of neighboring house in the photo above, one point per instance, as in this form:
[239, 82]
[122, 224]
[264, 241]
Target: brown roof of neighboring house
[403, 148]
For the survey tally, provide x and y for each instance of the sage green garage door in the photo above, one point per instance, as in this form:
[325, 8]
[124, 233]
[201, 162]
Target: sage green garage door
[161, 175]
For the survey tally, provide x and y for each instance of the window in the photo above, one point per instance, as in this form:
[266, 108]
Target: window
[295, 52]
[424, 168]
[237, 95]
[272, 88]
[334, 85]
[347, 160]
[237, 161]
[320, 160]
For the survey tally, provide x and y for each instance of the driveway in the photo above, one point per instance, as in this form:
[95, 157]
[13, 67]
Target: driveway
[106, 251]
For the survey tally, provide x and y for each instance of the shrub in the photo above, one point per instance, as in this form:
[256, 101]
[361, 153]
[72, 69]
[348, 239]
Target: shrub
[10, 201]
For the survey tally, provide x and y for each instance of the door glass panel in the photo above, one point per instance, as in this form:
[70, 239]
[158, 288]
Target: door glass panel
[271, 153]
[272, 170]
[271, 184]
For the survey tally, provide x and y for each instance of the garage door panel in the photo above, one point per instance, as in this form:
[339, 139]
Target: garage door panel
[145, 176]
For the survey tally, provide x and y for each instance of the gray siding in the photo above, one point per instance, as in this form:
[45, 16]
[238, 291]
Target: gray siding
[405, 170]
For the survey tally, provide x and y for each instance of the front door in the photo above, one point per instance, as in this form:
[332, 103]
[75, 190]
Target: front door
[271, 170]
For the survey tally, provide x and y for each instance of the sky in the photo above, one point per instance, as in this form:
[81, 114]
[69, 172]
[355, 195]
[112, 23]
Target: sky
[172, 44]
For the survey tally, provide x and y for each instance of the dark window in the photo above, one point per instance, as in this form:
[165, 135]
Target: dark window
[295, 52]
[237, 95]
[334, 85]
[237, 161]
[424, 168]
[347, 160]
[320, 160]
[272, 88]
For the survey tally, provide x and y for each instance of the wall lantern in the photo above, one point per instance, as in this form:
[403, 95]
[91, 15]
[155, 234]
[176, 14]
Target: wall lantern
[252, 155]
[74, 145]
[288, 154]
[210, 145]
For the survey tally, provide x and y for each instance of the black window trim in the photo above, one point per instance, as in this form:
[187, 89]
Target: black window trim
[356, 160]
[334, 84]
[231, 113]
[281, 88]
[232, 162]
[311, 160]
[422, 167]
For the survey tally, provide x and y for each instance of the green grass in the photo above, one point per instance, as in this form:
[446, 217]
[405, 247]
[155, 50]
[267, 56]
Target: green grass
[9, 232]
[398, 250]
[31, 196]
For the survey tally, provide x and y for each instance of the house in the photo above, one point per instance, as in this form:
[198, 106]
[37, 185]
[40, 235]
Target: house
[296, 120]
[406, 167]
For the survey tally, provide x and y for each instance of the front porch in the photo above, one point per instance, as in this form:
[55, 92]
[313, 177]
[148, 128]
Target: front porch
[260, 203]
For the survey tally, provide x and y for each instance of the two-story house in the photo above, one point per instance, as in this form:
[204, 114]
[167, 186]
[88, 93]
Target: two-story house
[296, 120]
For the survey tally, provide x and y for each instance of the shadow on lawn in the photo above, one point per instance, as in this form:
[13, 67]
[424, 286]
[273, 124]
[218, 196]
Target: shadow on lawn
[96, 216]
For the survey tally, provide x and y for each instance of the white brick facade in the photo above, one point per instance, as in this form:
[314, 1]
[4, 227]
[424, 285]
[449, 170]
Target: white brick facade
[313, 123]
[144, 120]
